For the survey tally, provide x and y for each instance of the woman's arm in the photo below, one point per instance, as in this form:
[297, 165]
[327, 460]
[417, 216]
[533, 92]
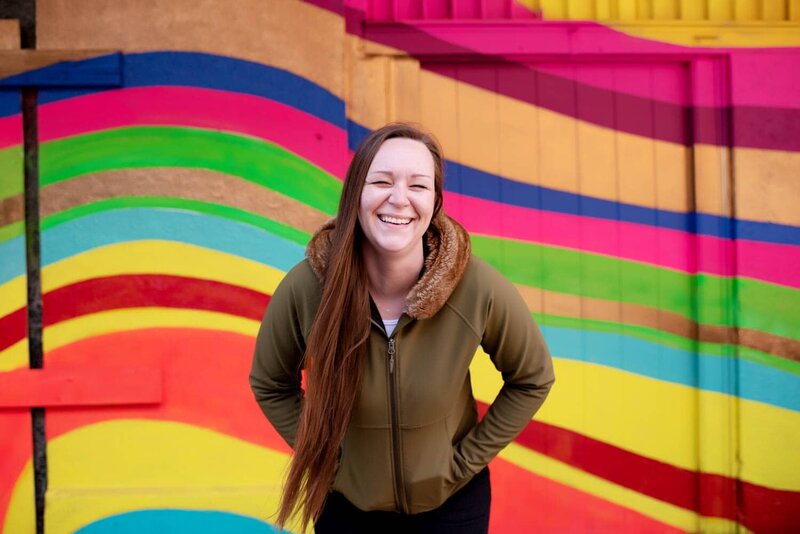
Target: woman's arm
[518, 351]
[278, 360]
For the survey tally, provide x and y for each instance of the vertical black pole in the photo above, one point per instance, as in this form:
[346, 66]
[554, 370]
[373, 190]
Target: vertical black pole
[33, 263]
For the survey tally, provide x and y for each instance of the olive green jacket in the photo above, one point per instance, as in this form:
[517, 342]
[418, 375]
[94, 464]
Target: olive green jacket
[414, 437]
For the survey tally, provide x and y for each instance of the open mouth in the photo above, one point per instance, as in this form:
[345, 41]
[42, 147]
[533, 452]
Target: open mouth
[394, 220]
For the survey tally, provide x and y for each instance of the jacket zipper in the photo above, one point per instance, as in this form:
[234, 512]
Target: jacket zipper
[399, 486]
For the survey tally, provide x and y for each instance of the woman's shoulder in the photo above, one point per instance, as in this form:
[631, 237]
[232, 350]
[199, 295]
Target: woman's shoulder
[483, 283]
[301, 274]
[300, 282]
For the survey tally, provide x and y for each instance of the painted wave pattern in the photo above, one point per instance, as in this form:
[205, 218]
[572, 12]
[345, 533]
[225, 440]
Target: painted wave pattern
[158, 250]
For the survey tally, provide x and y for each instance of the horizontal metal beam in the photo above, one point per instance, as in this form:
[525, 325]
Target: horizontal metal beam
[26, 388]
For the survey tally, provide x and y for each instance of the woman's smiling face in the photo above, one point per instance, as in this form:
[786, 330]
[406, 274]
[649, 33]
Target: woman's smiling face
[398, 197]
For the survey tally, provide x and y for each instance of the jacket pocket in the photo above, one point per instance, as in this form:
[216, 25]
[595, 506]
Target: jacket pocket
[428, 457]
[364, 475]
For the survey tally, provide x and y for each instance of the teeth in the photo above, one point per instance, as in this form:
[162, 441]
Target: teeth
[393, 220]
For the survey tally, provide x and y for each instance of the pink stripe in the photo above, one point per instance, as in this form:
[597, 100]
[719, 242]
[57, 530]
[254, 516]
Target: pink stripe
[317, 141]
[10, 131]
[767, 77]
[663, 247]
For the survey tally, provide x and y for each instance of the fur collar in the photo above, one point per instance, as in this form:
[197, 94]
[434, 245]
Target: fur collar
[448, 251]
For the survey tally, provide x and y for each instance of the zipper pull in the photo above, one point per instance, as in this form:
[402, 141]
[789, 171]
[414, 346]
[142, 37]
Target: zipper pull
[391, 355]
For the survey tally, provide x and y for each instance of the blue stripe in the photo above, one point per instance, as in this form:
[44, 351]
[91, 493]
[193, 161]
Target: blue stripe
[466, 180]
[195, 69]
[11, 104]
[12, 258]
[136, 224]
[100, 71]
[476, 183]
[708, 372]
[178, 522]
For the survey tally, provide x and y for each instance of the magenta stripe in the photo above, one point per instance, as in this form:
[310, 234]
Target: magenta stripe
[318, 141]
[10, 131]
[672, 249]
[767, 77]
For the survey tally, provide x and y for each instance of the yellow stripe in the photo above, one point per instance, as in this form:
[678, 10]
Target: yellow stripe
[658, 420]
[146, 257]
[714, 34]
[93, 474]
[562, 473]
[125, 320]
[707, 23]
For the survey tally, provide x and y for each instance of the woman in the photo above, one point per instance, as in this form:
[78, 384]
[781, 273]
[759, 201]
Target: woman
[386, 314]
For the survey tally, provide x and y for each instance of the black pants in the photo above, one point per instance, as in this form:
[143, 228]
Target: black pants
[465, 512]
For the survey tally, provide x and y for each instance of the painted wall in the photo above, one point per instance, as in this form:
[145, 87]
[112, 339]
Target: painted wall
[641, 193]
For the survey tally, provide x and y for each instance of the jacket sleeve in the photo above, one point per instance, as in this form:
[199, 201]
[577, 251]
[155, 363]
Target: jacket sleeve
[275, 375]
[518, 351]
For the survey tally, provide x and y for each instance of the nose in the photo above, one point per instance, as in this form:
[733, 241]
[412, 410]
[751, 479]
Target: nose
[399, 195]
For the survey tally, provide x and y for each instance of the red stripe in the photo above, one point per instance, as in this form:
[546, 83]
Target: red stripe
[765, 509]
[132, 291]
[527, 502]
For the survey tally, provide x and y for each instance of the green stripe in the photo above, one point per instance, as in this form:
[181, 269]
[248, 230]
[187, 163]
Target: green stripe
[763, 306]
[11, 172]
[252, 159]
[10, 231]
[218, 210]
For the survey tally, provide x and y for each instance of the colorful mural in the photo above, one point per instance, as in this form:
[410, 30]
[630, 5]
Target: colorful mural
[639, 191]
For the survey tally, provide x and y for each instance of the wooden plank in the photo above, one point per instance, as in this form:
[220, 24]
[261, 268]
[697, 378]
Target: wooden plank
[27, 388]
[62, 68]
[9, 34]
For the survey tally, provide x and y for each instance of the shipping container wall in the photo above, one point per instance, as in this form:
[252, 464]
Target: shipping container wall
[634, 173]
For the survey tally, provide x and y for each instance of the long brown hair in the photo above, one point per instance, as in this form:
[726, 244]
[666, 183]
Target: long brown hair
[337, 343]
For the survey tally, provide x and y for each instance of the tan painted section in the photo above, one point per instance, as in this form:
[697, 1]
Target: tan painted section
[9, 34]
[712, 180]
[367, 86]
[767, 185]
[440, 115]
[287, 34]
[194, 184]
[19, 61]
[12, 209]
[404, 86]
[549, 302]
